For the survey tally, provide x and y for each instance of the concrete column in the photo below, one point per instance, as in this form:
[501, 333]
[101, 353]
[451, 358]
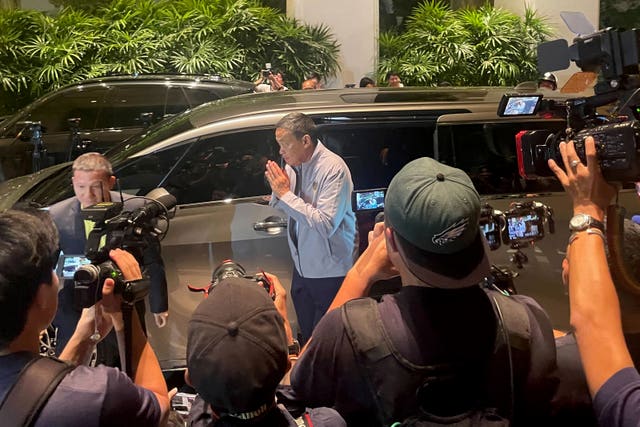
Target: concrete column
[551, 9]
[354, 23]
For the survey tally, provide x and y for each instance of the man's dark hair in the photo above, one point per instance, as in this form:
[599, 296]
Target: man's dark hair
[28, 245]
[366, 81]
[392, 73]
[299, 125]
[314, 75]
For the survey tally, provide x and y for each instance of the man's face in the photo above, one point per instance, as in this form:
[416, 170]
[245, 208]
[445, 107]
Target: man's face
[394, 81]
[294, 151]
[92, 187]
[278, 78]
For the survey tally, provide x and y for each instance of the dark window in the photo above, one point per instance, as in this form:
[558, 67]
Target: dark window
[124, 105]
[176, 102]
[224, 167]
[140, 175]
[197, 96]
[375, 152]
[487, 152]
[83, 104]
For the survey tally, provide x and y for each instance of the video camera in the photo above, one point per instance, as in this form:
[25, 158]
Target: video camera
[228, 269]
[115, 228]
[615, 54]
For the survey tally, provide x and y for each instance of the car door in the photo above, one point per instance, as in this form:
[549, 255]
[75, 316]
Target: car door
[222, 213]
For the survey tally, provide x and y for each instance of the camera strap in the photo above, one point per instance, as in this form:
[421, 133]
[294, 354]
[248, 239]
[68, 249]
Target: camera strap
[28, 395]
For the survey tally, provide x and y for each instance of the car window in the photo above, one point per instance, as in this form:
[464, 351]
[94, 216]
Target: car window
[224, 167]
[375, 152]
[487, 152]
[123, 105]
[55, 112]
[140, 175]
[197, 96]
[176, 101]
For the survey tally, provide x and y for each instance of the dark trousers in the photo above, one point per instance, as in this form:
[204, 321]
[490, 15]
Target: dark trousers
[311, 299]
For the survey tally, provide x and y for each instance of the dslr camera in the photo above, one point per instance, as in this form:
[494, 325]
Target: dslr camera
[267, 70]
[615, 55]
[521, 224]
[115, 228]
[229, 268]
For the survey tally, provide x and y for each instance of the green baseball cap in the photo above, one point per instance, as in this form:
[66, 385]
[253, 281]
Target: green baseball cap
[434, 211]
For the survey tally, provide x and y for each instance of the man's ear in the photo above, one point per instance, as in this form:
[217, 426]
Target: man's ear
[306, 139]
[112, 182]
[390, 238]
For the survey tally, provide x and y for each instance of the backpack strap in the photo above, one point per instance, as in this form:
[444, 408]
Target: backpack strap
[368, 343]
[511, 354]
[28, 395]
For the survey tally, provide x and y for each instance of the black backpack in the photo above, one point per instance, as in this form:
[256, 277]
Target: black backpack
[401, 387]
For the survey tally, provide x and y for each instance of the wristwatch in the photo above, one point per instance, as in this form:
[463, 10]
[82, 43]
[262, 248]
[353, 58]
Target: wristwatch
[294, 348]
[581, 222]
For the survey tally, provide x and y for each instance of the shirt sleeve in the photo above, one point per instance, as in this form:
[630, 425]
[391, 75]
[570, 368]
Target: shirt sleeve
[332, 203]
[617, 403]
[327, 374]
[126, 403]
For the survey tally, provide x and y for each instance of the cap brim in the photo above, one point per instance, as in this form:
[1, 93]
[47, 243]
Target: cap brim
[460, 270]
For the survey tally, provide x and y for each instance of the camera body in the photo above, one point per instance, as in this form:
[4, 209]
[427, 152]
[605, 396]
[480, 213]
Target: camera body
[267, 70]
[617, 148]
[229, 268]
[491, 223]
[521, 224]
[525, 222]
[89, 278]
[115, 228]
[615, 55]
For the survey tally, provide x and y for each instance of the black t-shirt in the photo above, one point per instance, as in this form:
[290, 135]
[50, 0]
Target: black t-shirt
[427, 326]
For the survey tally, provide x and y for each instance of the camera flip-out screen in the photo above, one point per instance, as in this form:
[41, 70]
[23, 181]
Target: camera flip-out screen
[524, 227]
[368, 200]
[68, 264]
[519, 105]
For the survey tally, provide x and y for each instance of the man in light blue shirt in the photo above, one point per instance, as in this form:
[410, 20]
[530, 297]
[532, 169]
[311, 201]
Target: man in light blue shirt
[314, 190]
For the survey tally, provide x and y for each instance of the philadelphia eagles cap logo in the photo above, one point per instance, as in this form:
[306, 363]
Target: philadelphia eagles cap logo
[450, 233]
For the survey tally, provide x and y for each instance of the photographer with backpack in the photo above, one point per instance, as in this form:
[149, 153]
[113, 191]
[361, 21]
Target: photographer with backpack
[443, 349]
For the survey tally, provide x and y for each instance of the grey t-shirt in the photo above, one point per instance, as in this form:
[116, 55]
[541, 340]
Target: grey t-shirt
[88, 397]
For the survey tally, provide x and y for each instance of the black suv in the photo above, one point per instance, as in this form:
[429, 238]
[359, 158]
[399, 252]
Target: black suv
[95, 114]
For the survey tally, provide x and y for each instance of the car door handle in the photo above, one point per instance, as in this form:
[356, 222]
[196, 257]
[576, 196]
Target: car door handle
[271, 225]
